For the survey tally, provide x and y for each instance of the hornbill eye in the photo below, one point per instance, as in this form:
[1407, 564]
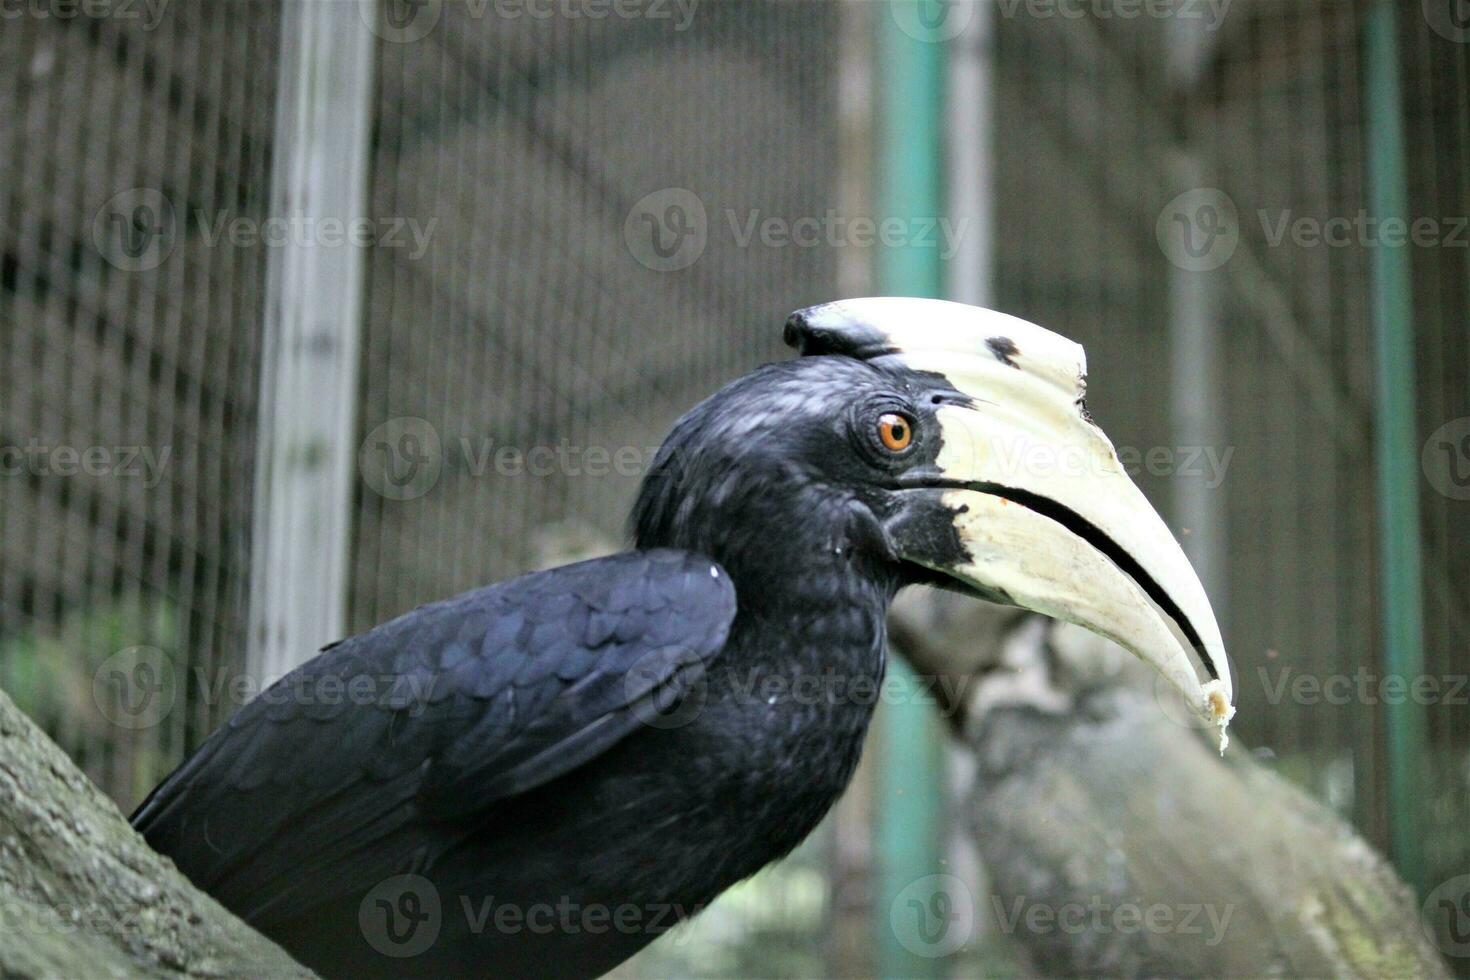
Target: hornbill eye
[895, 432]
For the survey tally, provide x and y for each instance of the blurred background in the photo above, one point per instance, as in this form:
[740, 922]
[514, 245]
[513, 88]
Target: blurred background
[312, 312]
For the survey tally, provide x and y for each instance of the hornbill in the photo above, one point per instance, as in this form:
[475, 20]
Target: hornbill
[539, 777]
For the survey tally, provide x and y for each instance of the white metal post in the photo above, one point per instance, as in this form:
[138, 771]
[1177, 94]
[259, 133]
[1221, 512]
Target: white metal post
[1196, 401]
[306, 458]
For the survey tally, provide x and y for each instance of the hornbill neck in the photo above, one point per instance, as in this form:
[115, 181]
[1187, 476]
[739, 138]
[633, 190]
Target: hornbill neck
[791, 695]
[812, 596]
[807, 648]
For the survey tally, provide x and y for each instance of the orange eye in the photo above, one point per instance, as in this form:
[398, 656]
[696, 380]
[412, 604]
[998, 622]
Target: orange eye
[895, 431]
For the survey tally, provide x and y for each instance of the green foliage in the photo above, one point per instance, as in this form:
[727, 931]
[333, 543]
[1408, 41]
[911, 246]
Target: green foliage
[52, 674]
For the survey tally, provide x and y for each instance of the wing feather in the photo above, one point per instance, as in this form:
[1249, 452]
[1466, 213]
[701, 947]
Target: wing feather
[377, 753]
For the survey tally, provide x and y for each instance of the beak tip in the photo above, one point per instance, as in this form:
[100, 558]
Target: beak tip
[1219, 709]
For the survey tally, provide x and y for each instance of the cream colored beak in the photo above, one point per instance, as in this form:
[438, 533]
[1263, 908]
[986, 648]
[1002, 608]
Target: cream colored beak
[1049, 518]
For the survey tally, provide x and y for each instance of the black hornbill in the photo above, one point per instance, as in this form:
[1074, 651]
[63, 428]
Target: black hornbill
[539, 777]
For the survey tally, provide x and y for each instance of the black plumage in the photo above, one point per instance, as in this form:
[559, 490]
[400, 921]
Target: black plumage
[632, 732]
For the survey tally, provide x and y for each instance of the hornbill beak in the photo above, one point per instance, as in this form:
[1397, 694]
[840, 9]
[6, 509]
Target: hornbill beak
[1037, 510]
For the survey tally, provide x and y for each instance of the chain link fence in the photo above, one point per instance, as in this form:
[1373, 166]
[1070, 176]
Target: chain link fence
[1187, 195]
[129, 356]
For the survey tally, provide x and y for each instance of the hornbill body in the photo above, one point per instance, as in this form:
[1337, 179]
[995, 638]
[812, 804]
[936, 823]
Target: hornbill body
[542, 776]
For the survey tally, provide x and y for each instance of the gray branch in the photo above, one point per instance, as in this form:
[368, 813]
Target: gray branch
[1119, 843]
[81, 895]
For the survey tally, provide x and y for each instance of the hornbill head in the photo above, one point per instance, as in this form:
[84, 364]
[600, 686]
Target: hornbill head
[948, 445]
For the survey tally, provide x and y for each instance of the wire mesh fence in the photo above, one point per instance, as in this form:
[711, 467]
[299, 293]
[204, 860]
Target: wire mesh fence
[579, 233]
[1143, 159]
[129, 355]
[539, 339]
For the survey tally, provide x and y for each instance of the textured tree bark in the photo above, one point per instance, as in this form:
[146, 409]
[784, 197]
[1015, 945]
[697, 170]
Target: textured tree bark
[1119, 843]
[81, 895]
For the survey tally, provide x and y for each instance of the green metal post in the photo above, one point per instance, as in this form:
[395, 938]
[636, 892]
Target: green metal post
[910, 801]
[1396, 443]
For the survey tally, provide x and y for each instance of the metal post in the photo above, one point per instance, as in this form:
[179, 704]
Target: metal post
[910, 798]
[306, 456]
[971, 159]
[1396, 444]
[969, 189]
[1197, 406]
[1196, 402]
